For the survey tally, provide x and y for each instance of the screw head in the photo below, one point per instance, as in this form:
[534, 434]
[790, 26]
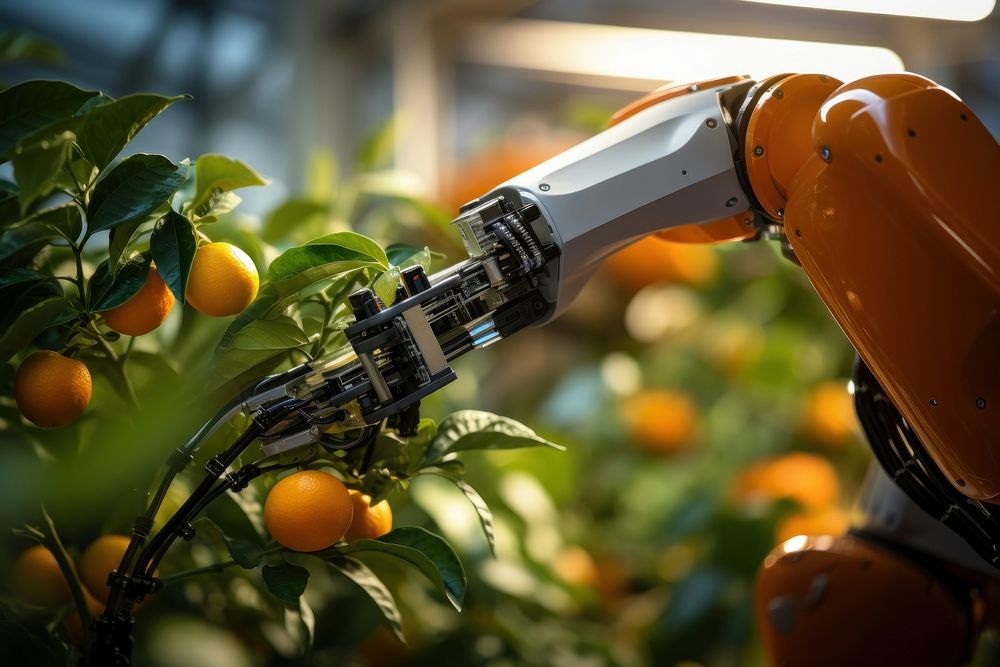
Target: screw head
[934, 402]
[825, 153]
[731, 201]
[758, 150]
[544, 187]
[781, 213]
[981, 403]
[711, 122]
[779, 93]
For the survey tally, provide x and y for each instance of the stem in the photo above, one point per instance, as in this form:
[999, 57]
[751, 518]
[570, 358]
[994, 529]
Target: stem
[55, 545]
[79, 188]
[78, 254]
[119, 364]
[214, 567]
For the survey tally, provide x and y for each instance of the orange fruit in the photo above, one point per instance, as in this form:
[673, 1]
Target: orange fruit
[37, 579]
[826, 521]
[501, 162]
[145, 310]
[661, 421]
[576, 567]
[828, 415]
[370, 521]
[72, 623]
[808, 479]
[308, 511]
[223, 280]
[102, 556]
[52, 390]
[653, 260]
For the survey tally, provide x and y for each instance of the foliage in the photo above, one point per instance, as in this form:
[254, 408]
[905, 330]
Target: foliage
[80, 230]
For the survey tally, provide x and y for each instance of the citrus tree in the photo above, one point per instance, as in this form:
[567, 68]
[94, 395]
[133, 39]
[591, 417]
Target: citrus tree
[121, 277]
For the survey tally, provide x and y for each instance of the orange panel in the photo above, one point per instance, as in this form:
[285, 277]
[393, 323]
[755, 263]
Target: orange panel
[836, 601]
[778, 136]
[897, 230]
[734, 228]
[666, 92]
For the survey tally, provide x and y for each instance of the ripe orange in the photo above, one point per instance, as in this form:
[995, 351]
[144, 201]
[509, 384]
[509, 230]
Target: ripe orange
[653, 260]
[827, 521]
[480, 174]
[52, 390]
[72, 624]
[102, 556]
[828, 415]
[146, 310]
[370, 521]
[576, 567]
[37, 579]
[308, 511]
[661, 421]
[223, 280]
[808, 479]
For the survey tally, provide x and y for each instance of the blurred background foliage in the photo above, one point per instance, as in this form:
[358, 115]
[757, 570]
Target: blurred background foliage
[701, 392]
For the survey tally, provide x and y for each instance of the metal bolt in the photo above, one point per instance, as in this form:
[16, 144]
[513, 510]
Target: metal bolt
[731, 201]
[825, 153]
[934, 402]
[779, 93]
[981, 403]
[711, 122]
[781, 213]
[758, 150]
[544, 187]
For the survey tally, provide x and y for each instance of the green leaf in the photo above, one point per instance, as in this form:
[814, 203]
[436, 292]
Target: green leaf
[135, 187]
[265, 304]
[377, 147]
[385, 285]
[219, 172]
[25, 241]
[286, 582]
[427, 552]
[247, 554]
[107, 291]
[173, 244]
[218, 204]
[16, 46]
[37, 164]
[21, 275]
[474, 429]
[355, 241]
[302, 266]
[290, 215]
[482, 509]
[64, 221]
[256, 346]
[33, 321]
[119, 240]
[32, 105]
[403, 256]
[369, 582]
[9, 211]
[107, 128]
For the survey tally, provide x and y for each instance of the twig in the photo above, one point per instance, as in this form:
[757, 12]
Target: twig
[213, 568]
[55, 545]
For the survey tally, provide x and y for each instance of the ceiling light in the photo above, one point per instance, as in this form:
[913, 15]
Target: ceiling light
[949, 10]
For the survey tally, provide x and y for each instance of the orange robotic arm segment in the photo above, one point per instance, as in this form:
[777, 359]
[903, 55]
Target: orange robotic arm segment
[884, 609]
[890, 228]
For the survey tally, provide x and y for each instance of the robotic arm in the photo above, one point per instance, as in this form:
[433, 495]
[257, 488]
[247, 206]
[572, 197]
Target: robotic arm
[877, 188]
